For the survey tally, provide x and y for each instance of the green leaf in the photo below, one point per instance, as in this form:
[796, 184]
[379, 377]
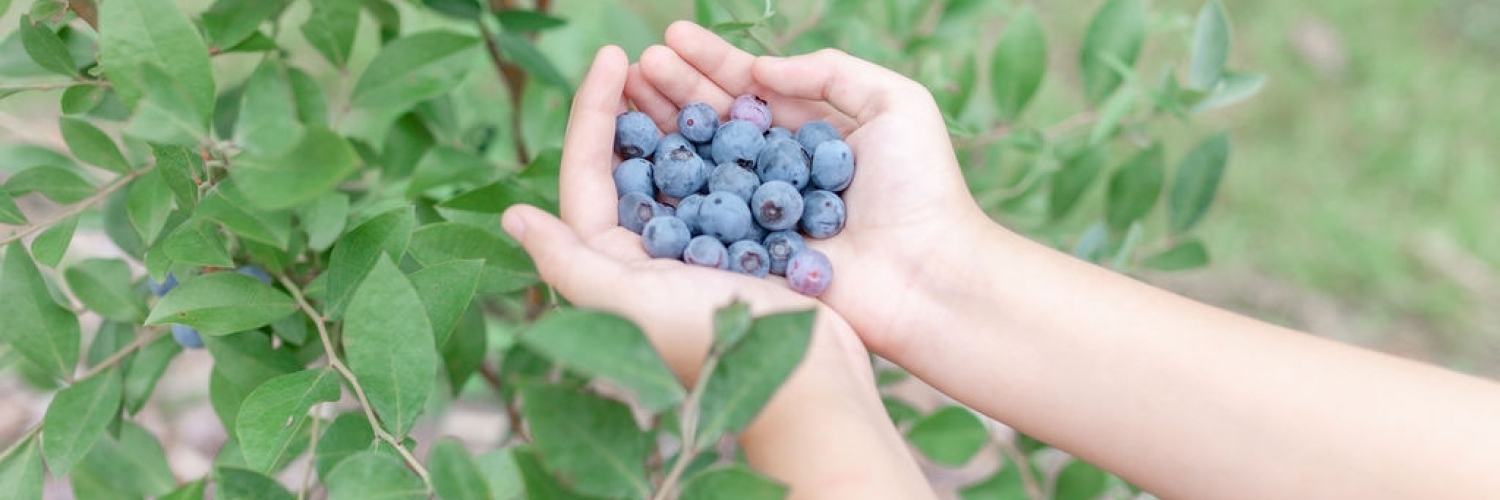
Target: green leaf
[268, 125]
[52, 244]
[1115, 109]
[234, 483]
[1189, 254]
[373, 475]
[732, 483]
[590, 443]
[331, 29]
[222, 303]
[17, 157]
[1116, 32]
[950, 436]
[349, 433]
[357, 251]
[1068, 184]
[324, 218]
[1134, 188]
[80, 99]
[229, 22]
[146, 369]
[506, 267]
[525, 54]
[899, 411]
[1196, 182]
[454, 473]
[750, 373]
[45, 48]
[135, 35]
[189, 491]
[227, 205]
[413, 69]
[1233, 88]
[598, 344]
[134, 462]
[1093, 244]
[445, 290]
[1080, 480]
[10, 214]
[76, 419]
[386, 16]
[148, 203]
[50, 10]
[730, 28]
[458, 9]
[1210, 46]
[103, 285]
[312, 105]
[1019, 64]
[528, 21]
[42, 331]
[390, 347]
[444, 165]
[179, 168]
[501, 474]
[197, 242]
[56, 183]
[312, 168]
[494, 198]
[465, 349]
[731, 324]
[165, 113]
[21, 471]
[92, 146]
[1006, 484]
[247, 359]
[275, 413]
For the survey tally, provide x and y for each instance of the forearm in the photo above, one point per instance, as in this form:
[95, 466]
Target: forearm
[1190, 401]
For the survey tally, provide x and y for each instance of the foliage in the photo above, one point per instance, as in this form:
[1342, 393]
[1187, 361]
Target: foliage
[360, 176]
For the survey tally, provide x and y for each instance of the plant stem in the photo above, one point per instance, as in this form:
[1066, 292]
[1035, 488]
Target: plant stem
[1023, 465]
[359, 391]
[515, 84]
[1003, 130]
[150, 336]
[30, 433]
[53, 86]
[766, 45]
[311, 451]
[79, 207]
[689, 427]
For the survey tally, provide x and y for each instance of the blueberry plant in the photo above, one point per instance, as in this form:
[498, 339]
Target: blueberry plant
[305, 191]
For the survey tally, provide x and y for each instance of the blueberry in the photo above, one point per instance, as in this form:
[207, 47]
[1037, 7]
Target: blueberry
[749, 257]
[160, 289]
[813, 133]
[781, 245]
[635, 134]
[634, 176]
[782, 160]
[636, 210]
[757, 233]
[832, 165]
[705, 151]
[822, 214]
[187, 336]
[670, 142]
[665, 237]
[738, 141]
[680, 172]
[725, 216]
[809, 272]
[698, 121]
[777, 206]
[706, 251]
[734, 179]
[256, 272]
[687, 210]
[778, 133]
[752, 109]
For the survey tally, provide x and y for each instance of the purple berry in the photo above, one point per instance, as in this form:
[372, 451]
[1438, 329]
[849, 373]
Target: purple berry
[187, 336]
[749, 257]
[160, 289]
[783, 160]
[832, 166]
[636, 209]
[665, 237]
[635, 134]
[725, 216]
[809, 272]
[738, 141]
[781, 245]
[753, 109]
[698, 121]
[815, 132]
[777, 206]
[680, 172]
[634, 176]
[734, 179]
[822, 214]
[706, 251]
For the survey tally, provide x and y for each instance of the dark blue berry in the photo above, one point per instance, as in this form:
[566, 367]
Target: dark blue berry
[822, 214]
[636, 210]
[749, 257]
[725, 216]
[666, 237]
[783, 160]
[738, 141]
[777, 206]
[706, 251]
[832, 166]
[734, 179]
[187, 336]
[680, 172]
[698, 121]
[634, 176]
[815, 132]
[781, 245]
[635, 134]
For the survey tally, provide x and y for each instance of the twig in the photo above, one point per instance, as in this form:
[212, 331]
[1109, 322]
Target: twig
[515, 84]
[150, 336]
[312, 452]
[766, 45]
[87, 10]
[1004, 130]
[1083, 118]
[359, 391]
[53, 86]
[79, 207]
[689, 427]
[30, 433]
[1028, 477]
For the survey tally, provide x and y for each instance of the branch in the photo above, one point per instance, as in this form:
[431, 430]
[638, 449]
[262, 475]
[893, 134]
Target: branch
[53, 86]
[689, 427]
[1003, 130]
[150, 336]
[359, 391]
[79, 207]
[515, 84]
[87, 10]
[30, 433]
[1028, 477]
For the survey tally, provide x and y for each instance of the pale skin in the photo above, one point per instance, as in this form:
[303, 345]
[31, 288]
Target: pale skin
[1180, 398]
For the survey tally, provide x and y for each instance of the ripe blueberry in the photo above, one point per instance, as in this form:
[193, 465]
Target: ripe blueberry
[698, 121]
[725, 216]
[160, 289]
[813, 133]
[822, 214]
[636, 210]
[781, 245]
[634, 176]
[832, 166]
[809, 272]
[734, 179]
[749, 257]
[670, 142]
[680, 172]
[738, 141]
[666, 237]
[635, 134]
[706, 251]
[256, 272]
[777, 206]
[187, 336]
[687, 210]
[752, 109]
[782, 160]
[778, 133]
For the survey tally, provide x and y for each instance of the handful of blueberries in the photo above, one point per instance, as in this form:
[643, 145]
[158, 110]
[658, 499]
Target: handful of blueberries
[736, 195]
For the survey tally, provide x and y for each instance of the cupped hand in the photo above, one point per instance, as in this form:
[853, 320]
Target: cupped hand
[908, 207]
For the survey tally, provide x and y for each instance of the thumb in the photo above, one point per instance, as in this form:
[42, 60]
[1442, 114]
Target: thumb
[581, 274]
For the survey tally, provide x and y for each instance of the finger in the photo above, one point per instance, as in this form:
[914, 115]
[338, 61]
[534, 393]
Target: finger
[679, 81]
[856, 87]
[648, 99]
[582, 275]
[726, 65]
[586, 188]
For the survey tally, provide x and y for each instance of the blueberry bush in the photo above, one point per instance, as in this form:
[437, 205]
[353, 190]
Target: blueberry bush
[307, 190]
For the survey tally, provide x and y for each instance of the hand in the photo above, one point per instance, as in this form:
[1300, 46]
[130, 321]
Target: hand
[909, 210]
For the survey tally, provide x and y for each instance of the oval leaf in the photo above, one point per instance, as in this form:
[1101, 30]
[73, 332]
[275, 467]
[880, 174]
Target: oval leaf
[1003, 485]
[222, 303]
[374, 474]
[76, 420]
[275, 413]
[197, 242]
[52, 244]
[45, 48]
[446, 290]
[267, 125]
[135, 34]
[389, 345]
[750, 373]
[413, 69]
[1080, 480]
[21, 471]
[1068, 184]
[1116, 32]
[1020, 62]
[590, 443]
[1196, 182]
[1133, 189]
[950, 436]
[1189, 254]
[732, 482]
[349, 433]
[313, 167]
[1210, 47]
[598, 344]
[132, 462]
[506, 267]
[58, 184]
[42, 331]
[91, 145]
[357, 251]
[233, 483]
[103, 285]
[454, 474]
[331, 28]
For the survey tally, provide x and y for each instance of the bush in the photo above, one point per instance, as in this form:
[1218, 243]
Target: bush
[359, 208]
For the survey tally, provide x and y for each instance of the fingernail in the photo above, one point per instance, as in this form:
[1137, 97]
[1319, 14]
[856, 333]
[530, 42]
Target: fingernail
[513, 224]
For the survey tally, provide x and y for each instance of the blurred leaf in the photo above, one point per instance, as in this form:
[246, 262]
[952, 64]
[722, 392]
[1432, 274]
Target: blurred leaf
[312, 104]
[234, 483]
[225, 396]
[1019, 64]
[1080, 480]
[35, 325]
[389, 345]
[1068, 184]
[528, 20]
[189, 491]
[268, 125]
[950, 436]
[1006, 484]
[598, 344]
[465, 349]
[56, 183]
[730, 28]
[137, 35]
[589, 442]
[732, 483]
[49, 10]
[10, 214]
[134, 462]
[146, 369]
[17, 157]
[276, 412]
[197, 242]
[494, 198]
[221, 303]
[899, 411]
[179, 168]
[226, 205]
[539, 484]
[387, 17]
[331, 29]
[454, 474]
[373, 474]
[1093, 243]
[406, 143]
[312, 168]
[1210, 46]
[256, 42]
[506, 267]
[80, 99]
[1189, 254]
[4, 6]
[1196, 182]
[324, 218]
[229, 22]
[1124, 253]
[357, 251]
[45, 48]
[165, 113]
[731, 324]
[76, 419]
[1117, 31]
[148, 203]
[103, 285]
[52, 244]
[1134, 188]
[349, 433]
[501, 473]
[457, 9]
[446, 289]
[749, 374]
[525, 54]
[414, 68]
[444, 165]
[1233, 88]
[1115, 109]
[21, 471]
